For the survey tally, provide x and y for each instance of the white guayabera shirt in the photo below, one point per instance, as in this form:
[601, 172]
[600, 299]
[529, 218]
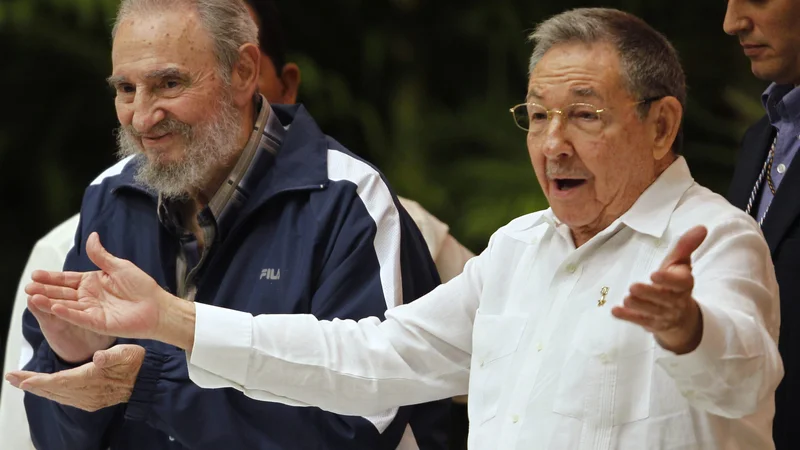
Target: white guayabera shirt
[527, 330]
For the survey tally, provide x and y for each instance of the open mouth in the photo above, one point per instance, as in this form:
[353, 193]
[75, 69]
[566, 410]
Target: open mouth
[566, 184]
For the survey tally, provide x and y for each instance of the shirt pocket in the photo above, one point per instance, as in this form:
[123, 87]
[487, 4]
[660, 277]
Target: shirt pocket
[607, 372]
[495, 339]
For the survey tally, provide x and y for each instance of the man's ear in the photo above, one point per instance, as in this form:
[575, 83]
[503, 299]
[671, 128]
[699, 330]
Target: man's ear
[290, 78]
[244, 79]
[666, 115]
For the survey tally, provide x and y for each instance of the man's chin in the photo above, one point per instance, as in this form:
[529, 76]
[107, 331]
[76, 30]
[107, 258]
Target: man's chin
[163, 158]
[770, 69]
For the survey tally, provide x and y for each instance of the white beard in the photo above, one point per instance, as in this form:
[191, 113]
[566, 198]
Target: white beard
[207, 146]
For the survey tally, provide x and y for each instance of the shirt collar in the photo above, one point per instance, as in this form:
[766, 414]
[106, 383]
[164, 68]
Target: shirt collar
[782, 102]
[651, 212]
[547, 217]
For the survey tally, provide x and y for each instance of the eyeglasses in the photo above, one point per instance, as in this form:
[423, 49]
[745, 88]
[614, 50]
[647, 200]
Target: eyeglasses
[534, 118]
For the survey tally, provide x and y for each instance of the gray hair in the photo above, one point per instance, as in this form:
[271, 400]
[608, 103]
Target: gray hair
[649, 64]
[228, 22]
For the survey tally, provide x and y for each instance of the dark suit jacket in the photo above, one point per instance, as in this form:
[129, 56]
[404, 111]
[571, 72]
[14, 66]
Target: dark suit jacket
[782, 231]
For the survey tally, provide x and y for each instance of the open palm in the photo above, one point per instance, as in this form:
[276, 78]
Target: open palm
[118, 300]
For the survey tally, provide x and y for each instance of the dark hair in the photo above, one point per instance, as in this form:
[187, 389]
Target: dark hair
[271, 39]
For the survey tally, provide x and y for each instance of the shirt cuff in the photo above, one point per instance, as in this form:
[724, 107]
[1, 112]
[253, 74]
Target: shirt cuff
[222, 342]
[139, 405]
[700, 361]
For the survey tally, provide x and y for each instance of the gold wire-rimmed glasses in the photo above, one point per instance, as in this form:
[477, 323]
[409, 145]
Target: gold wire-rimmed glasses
[534, 118]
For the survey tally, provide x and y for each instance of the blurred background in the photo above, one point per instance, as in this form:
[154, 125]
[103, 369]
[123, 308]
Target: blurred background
[420, 88]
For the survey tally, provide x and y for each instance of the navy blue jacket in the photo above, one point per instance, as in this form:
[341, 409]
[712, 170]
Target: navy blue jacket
[313, 217]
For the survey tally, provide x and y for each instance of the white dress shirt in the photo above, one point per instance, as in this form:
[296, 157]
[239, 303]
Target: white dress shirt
[48, 254]
[524, 330]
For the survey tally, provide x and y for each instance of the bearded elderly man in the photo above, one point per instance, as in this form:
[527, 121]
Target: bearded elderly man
[225, 200]
[639, 312]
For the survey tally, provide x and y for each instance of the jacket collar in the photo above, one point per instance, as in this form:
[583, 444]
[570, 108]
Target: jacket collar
[301, 162]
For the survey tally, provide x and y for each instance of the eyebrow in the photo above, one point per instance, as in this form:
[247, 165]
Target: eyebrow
[115, 80]
[586, 92]
[582, 92]
[532, 95]
[170, 72]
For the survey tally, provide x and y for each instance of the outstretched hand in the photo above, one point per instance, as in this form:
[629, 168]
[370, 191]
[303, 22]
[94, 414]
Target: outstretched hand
[117, 300]
[666, 307]
[106, 381]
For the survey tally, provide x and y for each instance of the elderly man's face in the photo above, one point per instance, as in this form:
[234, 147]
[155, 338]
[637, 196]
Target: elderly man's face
[171, 102]
[590, 174]
[769, 34]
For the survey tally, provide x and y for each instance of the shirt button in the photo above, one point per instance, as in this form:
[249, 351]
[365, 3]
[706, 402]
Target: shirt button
[781, 168]
[481, 363]
[571, 268]
[688, 394]
[515, 418]
[604, 358]
[171, 439]
[539, 346]
[659, 243]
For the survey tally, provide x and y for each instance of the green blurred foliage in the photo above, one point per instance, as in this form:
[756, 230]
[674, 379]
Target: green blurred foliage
[420, 88]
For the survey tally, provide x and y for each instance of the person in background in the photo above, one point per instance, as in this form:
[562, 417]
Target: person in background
[228, 200]
[49, 253]
[766, 182]
[279, 81]
[640, 311]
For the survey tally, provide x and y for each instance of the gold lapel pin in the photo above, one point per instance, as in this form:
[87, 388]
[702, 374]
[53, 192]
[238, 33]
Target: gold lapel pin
[603, 293]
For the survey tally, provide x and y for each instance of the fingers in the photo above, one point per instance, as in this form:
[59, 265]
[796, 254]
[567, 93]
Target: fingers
[70, 304]
[107, 262]
[55, 396]
[65, 379]
[52, 291]
[39, 304]
[17, 377]
[35, 310]
[633, 316]
[118, 355]
[677, 279]
[655, 294]
[72, 312]
[45, 304]
[110, 357]
[643, 306]
[63, 279]
[59, 387]
[687, 244]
